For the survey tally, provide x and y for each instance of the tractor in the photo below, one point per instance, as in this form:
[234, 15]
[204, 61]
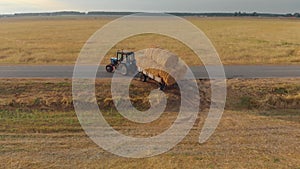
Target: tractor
[124, 63]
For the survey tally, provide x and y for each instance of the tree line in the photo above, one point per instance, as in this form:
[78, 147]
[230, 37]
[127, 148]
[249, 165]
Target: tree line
[102, 13]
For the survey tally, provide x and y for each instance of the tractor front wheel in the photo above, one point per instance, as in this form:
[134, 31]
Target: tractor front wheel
[123, 69]
[109, 68]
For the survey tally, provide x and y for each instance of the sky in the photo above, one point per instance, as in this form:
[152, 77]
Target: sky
[271, 6]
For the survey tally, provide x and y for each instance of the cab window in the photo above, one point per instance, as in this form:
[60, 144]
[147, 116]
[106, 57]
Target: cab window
[120, 57]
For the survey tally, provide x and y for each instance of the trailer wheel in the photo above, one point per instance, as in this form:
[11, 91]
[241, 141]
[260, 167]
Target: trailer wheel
[162, 86]
[143, 77]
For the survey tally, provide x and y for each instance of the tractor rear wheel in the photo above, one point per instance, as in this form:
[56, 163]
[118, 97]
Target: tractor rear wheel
[109, 68]
[123, 69]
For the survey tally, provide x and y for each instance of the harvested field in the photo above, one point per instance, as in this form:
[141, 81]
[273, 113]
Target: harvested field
[37, 132]
[51, 95]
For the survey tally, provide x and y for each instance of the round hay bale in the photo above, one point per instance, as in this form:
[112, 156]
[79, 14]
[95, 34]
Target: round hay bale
[167, 78]
[176, 73]
[160, 56]
[163, 57]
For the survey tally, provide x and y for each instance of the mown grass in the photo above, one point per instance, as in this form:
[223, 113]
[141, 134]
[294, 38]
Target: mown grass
[52, 95]
[40, 140]
[38, 122]
[264, 94]
[250, 134]
[58, 40]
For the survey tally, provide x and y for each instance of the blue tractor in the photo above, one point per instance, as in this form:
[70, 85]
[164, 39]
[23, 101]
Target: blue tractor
[124, 63]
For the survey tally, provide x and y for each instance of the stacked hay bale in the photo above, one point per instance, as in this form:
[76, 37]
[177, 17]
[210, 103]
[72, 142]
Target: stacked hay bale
[155, 61]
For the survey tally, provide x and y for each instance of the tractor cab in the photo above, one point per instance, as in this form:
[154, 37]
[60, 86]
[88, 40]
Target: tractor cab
[113, 61]
[118, 59]
[128, 57]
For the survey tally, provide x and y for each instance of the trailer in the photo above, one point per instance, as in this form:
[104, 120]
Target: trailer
[145, 76]
[125, 63]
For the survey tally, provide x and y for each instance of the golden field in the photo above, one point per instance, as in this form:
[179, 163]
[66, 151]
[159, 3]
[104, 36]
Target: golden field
[58, 40]
[260, 127]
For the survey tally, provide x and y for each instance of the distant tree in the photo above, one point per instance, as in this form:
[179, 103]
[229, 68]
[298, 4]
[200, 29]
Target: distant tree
[297, 15]
[238, 13]
[254, 14]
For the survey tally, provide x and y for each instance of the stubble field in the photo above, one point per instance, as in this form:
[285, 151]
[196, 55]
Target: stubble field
[58, 40]
[260, 127]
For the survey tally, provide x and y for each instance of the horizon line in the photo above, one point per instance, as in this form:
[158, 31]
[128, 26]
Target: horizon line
[177, 12]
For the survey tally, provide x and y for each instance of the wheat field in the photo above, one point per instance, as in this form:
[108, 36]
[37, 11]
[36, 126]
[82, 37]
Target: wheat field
[58, 40]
